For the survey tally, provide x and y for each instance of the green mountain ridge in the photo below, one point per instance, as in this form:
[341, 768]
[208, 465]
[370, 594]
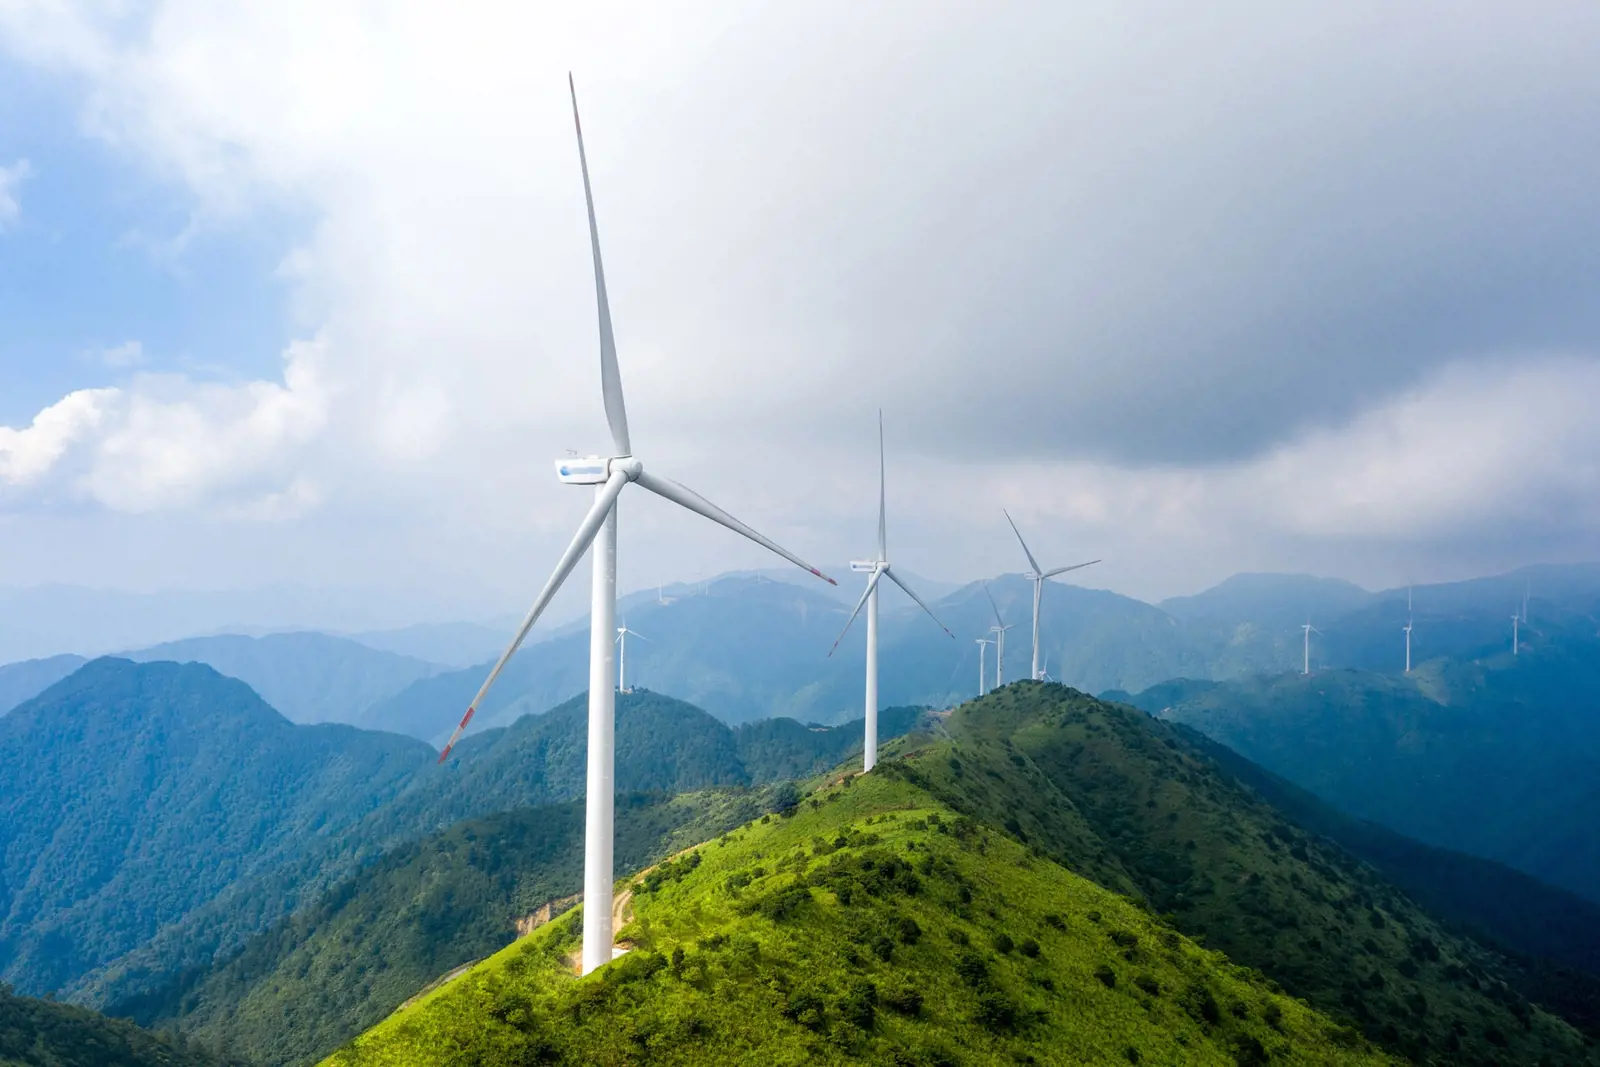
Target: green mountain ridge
[1126, 800]
[158, 816]
[136, 793]
[40, 1033]
[341, 964]
[873, 925]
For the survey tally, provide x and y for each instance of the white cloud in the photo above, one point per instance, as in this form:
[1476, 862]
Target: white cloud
[165, 442]
[1233, 280]
[11, 179]
[29, 454]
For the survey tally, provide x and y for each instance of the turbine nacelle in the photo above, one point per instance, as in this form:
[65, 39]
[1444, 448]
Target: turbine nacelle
[596, 470]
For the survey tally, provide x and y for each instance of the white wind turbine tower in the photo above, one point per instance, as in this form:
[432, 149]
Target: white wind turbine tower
[1309, 629]
[610, 475]
[622, 655]
[1407, 629]
[877, 568]
[1037, 577]
[999, 630]
[1515, 618]
[983, 648]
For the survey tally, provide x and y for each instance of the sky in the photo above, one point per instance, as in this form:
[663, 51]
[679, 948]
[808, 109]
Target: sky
[301, 292]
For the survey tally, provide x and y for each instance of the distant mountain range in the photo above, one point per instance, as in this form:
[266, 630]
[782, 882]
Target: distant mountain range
[1499, 758]
[749, 647]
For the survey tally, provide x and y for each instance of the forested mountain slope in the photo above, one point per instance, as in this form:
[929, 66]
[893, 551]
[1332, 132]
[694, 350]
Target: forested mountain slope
[135, 793]
[872, 926]
[39, 1033]
[1498, 758]
[1130, 802]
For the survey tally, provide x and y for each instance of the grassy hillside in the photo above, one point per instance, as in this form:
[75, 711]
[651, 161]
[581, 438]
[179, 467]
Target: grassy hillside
[136, 793]
[38, 1033]
[339, 966]
[875, 925]
[1497, 759]
[1131, 803]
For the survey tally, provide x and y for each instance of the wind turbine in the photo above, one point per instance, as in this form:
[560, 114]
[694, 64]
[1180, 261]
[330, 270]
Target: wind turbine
[877, 568]
[1037, 577]
[983, 648]
[1514, 620]
[1407, 629]
[622, 655]
[1309, 629]
[610, 475]
[999, 630]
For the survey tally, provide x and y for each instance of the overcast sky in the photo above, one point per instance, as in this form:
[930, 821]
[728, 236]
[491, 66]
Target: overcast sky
[301, 291]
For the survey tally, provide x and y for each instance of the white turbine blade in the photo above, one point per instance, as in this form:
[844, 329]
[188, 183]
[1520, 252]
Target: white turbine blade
[895, 578]
[1031, 561]
[640, 636]
[569, 559]
[872, 583]
[686, 497]
[883, 548]
[998, 620]
[610, 375]
[1074, 567]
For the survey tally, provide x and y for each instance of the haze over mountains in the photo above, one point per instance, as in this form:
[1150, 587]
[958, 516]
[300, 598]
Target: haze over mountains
[748, 648]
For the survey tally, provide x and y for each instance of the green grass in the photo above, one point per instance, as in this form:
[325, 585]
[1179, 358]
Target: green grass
[867, 928]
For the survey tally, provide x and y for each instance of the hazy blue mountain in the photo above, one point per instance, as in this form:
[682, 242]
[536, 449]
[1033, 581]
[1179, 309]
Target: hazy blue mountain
[46, 620]
[750, 649]
[450, 644]
[26, 680]
[309, 677]
[1270, 600]
[136, 793]
[1498, 758]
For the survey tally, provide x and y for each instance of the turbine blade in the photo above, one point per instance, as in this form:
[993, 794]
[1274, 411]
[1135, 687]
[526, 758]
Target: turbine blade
[895, 578]
[1074, 567]
[998, 620]
[569, 559]
[883, 547]
[872, 583]
[686, 497]
[610, 375]
[1031, 561]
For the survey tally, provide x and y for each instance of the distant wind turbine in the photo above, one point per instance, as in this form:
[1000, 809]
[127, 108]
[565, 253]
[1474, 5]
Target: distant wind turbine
[999, 630]
[610, 476]
[1408, 629]
[983, 648]
[622, 655]
[1309, 629]
[1037, 576]
[876, 569]
[1514, 620]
